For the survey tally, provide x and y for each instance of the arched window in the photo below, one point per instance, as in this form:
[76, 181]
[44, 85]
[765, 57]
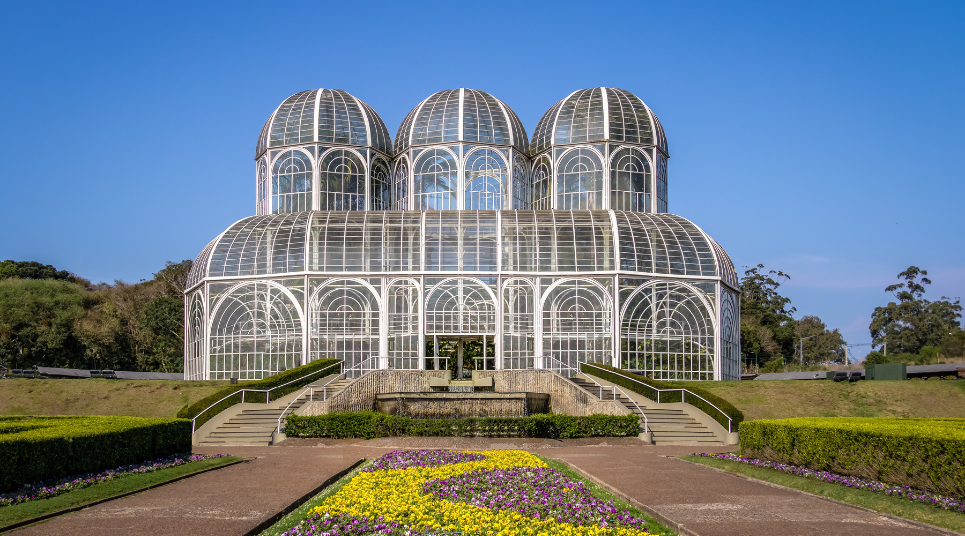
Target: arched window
[579, 181]
[381, 185]
[401, 184]
[436, 180]
[485, 180]
[344, 323]
[291, 182]
[194, 339]
[630, 181]
[256, 332]
[576, 325]
[519, 328]
[341, 181]
[261, 204]
[460, 306]
[729, 336]
[522, 185]
[667, 333]
[542, 184]
[402, 311]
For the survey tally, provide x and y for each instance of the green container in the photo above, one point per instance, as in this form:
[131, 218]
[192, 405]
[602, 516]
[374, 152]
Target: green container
[831, 374]
[886, 371]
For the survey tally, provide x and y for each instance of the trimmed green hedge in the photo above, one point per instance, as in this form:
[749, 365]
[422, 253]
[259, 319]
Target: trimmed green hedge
[651, 393]
[192, 411]
[922, 453]
[40, 448]
[370, 424]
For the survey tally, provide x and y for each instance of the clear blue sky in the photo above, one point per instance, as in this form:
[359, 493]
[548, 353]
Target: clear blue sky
[823, 139]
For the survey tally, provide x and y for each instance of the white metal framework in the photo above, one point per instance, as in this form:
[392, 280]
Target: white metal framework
[463, 231]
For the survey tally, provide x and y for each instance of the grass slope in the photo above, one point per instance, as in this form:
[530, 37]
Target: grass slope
[867, 499]
[135, 398]
[820, 398]
[31, 509]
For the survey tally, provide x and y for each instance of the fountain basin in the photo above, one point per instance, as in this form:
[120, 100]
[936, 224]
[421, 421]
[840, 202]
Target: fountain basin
[441, 405]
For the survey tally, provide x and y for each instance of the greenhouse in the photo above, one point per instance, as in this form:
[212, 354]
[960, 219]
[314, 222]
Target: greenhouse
[463, 239]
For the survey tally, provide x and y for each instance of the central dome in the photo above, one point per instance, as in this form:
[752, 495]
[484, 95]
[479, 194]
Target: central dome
[467, 115]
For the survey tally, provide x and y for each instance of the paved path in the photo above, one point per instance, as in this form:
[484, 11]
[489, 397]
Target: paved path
[706, 502]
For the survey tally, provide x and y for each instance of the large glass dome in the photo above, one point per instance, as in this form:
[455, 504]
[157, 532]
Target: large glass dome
[462, 149]
[600, 148]
[323, 149]
[467, 115]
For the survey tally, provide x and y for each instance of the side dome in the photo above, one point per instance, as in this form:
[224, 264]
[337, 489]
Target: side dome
[599, 114]
[324, 116]
[467, 115]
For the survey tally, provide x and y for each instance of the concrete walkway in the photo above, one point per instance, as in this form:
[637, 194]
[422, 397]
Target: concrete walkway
[703, 501]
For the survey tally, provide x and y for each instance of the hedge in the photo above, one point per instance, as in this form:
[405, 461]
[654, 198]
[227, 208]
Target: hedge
[609, 374]
[192, 411]
[370, 424]
[921, 453]
[40, 448]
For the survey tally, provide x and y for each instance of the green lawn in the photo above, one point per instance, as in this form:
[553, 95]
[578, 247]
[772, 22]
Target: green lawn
[134, 398]
[867, 499]
[779, 399]
[97, 492]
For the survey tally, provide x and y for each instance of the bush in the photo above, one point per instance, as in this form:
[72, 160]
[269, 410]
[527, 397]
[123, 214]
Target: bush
[370, 424]
[41, 448]
[609, 374]
[192, 411]
[922, 453]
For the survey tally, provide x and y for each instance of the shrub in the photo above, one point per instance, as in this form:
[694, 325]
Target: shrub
[194, 410]
[922, 453]
[41, 448]
[649, 387]
[371, 424]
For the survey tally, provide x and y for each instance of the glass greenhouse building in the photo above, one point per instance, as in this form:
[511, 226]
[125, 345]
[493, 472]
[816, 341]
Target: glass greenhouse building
[463, 237]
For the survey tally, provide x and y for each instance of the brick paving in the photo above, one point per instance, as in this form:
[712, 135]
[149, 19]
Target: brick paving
[696, 499]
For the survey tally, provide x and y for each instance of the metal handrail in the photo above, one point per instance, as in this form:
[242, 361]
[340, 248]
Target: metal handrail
[311, 388]
[266, 391]
[614, 388]
[683, 393]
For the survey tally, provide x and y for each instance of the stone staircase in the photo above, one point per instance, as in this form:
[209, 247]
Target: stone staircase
[668, 426]
[256, 426]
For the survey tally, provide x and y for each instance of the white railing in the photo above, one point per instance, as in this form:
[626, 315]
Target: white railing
[361, 368]
[266, 391]
[556, 365]
[646, 422]
[683, 393]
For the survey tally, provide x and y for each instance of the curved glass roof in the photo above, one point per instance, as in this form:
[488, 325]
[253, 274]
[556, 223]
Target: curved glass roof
[467, 115]
[541, 241]
[324, 116]
[598, 114]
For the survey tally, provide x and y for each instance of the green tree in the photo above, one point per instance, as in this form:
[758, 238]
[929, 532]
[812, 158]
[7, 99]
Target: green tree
[164, 317]
[36, 323]
[767, 326]
[820, 345]
[913, 322]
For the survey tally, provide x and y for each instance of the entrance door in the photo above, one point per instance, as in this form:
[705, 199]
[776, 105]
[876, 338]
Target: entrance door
[451, 347]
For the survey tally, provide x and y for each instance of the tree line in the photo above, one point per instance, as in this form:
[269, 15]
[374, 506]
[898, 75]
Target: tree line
[913, 329]
[55, 318]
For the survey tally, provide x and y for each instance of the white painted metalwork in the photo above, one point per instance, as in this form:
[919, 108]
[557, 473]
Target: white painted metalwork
[368, 251]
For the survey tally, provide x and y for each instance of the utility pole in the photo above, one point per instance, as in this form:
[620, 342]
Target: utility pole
[802, 347]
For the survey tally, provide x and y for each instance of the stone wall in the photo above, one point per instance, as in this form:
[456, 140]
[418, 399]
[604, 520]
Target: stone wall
[565, 396]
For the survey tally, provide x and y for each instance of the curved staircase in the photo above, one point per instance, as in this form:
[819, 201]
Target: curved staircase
[669, 426]
[255, 424]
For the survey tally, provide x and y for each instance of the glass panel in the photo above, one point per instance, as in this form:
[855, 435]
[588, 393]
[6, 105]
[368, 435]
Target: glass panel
[341, 181]
[291, 182]
[579, 180]
[667, 333]
[519, 310]
[294, 121]
[381, 185]
[629, 181]
[256, 332]
[403, 329]
[435, 180]
[485, 180]
[344, 323]
[576, 324]
[522, 185]
[460, 306]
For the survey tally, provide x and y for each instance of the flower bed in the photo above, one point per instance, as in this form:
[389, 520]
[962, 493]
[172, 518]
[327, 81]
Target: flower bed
[46, 490]
[904, 492]
[485, 493]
